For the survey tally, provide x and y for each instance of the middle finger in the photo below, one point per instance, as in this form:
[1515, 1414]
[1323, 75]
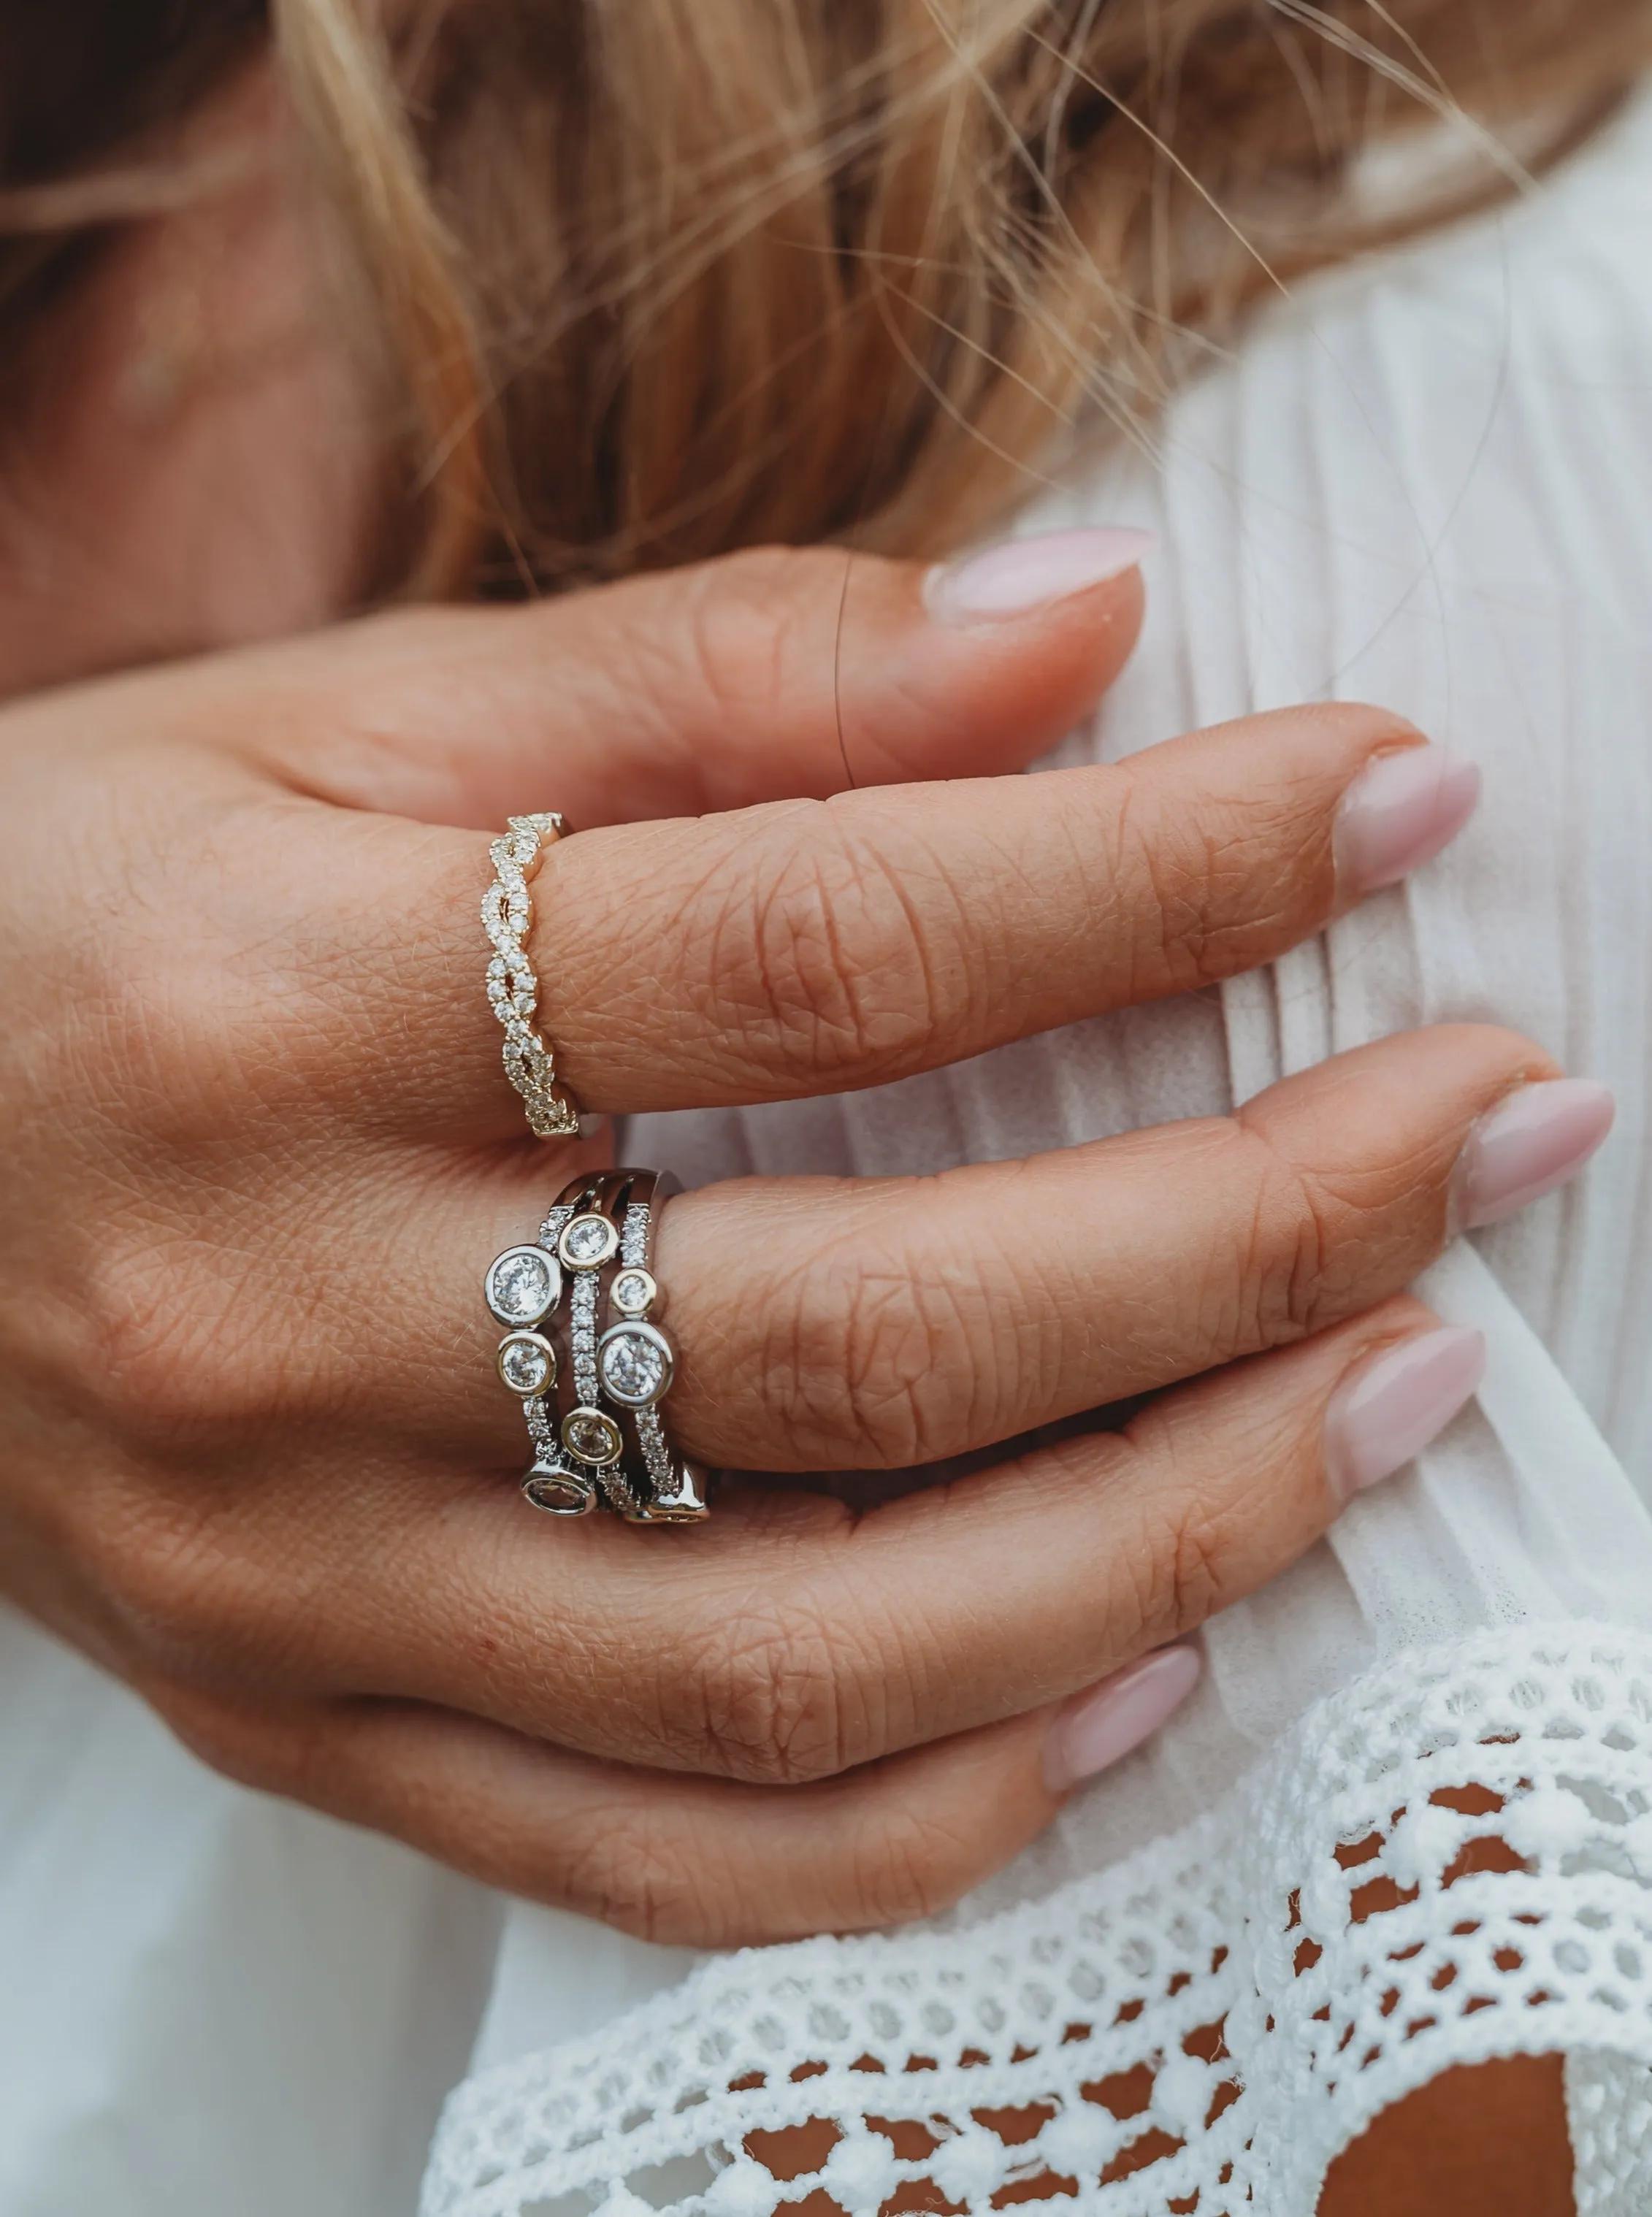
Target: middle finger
[805, 947]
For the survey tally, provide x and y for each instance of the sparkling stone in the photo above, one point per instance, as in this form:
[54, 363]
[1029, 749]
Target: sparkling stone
[561, 1493]
[525, 1367]
[632, 1292]
[586, 1240]
[633, 1367]
[522, 1287]
[592, 1436]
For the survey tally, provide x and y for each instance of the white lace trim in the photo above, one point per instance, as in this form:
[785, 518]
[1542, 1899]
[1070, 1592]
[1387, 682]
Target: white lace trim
[1451, 1859]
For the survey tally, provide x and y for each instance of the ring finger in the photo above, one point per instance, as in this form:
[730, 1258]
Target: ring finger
[828, 1324]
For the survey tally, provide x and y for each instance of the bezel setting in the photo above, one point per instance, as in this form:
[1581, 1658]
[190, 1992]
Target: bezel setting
[579, 1424]
[545, 1370]
[635, 1293]
[580, 1249]
[558, 1492]
[517, 1318]
[632, 1332]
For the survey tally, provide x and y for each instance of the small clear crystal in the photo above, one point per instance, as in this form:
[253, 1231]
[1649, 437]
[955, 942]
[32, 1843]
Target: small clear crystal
[588, 1435]
[588, 1238]
[563, 1492]
[525, 1368]
[633, 1367]
[632, 1292]
[522, 1287]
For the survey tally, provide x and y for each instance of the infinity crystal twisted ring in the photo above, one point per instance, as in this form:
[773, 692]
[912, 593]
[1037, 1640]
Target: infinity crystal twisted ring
[512, 988]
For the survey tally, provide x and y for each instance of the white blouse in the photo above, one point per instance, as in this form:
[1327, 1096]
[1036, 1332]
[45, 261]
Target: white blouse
[1427, 482]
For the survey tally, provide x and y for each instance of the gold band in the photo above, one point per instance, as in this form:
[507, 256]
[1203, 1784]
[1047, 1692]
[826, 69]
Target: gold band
[512, 988]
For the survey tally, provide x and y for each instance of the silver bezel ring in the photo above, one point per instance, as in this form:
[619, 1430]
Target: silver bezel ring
[519, 1320]
[584, 1421]
[633, 1330]
[635, 1293]
[589, 1241]
[540, 1346]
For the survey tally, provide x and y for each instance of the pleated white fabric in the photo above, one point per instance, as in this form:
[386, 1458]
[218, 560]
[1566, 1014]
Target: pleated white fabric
[1426, 482]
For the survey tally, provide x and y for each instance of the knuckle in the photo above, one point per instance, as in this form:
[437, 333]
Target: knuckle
[747, 616]
[1288, 1241]
[827, 966]
[1296, 1249]
[159, 1020]
[238, 1742]
[1200, 1519]
[179, 1362]
[163, 1582]
[178, 1591]
[908, 1863]
[765, 1700]
[870, 1365]
[636, 1869]
[1208, 887]
[1196, 1545]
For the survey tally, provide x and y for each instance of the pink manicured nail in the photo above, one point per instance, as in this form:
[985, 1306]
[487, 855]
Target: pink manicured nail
[1389, 1411]
[1024, 574]
[1398, 813]
[1096, 1728]
[1526, 1146]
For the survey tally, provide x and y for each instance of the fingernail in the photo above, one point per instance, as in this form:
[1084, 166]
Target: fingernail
[1398, 813]
[1096, 1727]
[1024, 574]
[1526, 1146]
[1389, 1411]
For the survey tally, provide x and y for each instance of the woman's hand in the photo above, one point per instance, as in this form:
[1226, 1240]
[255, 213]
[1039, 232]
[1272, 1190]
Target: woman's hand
[260, 1149]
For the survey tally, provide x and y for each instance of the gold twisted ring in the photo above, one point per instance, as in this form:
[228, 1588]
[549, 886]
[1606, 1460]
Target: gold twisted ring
[512, 988]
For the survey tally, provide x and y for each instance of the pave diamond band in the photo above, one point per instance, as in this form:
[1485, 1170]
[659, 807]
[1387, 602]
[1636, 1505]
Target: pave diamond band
[512, 988]
[636, 1363]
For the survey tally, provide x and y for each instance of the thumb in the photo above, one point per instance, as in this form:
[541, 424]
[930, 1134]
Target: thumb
[763, 675]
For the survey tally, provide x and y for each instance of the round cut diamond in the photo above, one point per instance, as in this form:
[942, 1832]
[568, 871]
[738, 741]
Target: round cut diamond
[633, 1290]
[635, 1365]
[526, 1365]
[586, 1239]
[561, 1493]
[521, 1287]
[591, 1435]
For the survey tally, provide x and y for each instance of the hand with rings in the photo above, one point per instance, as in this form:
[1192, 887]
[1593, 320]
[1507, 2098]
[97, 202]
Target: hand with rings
[255, 1453]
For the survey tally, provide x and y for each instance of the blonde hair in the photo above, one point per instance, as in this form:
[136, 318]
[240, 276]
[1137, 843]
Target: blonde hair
[652, 279]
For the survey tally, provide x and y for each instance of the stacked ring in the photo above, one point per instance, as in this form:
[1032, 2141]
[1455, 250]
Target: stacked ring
[592, 1383]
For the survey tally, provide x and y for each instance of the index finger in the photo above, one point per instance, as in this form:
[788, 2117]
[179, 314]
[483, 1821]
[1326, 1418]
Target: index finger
[773, 672]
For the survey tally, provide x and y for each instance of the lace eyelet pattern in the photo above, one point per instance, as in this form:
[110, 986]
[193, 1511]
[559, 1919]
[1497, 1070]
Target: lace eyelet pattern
[1448, 1859]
